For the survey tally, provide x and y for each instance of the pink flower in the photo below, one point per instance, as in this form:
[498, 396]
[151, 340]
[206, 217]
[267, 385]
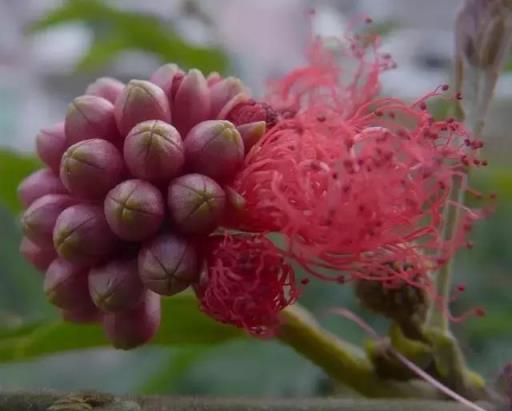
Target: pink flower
[247, 283]
[355, 182]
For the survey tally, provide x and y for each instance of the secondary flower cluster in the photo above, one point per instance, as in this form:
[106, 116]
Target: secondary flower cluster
[157, 185]
[136, 181]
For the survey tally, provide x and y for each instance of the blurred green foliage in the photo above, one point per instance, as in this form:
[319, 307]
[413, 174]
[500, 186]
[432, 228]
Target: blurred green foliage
[182, 324]
[117, 31]
[14, 168]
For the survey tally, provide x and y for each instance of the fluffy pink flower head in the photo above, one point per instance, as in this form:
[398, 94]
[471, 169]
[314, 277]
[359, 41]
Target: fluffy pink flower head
[353, 181]
[247, 283]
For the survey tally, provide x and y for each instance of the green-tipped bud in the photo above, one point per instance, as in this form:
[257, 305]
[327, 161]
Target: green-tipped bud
[90, 117]
[168, 264]
[226, 94]
[65, 285]
[251, 133]
[153, 150]
[116, 286]
[134, 210]
[39, 219]
[51, 144]
[38, 184]
[106, 87]
[39, 257]
[214, 148]
[141, 101]
[91, 168]
[196, 203]
[129, 329]
[82, 235]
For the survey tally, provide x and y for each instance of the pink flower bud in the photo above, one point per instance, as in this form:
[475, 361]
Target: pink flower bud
[141, 101]
[90, 168]
[116, 286]
[51, 144]
[236, 101]
[213, 78]
[82, 235]
[38, 184]
[39, 219]
[85, 315]
[65, 285]
[226, 92]
[105, 87]
[129, 329]
[39, 257]
[251, 133]
[191, 103]
[196, 203]
[134, 210]
[90, 117]
[214, 148]
[154, 150]
[168, 264]
[166, 77]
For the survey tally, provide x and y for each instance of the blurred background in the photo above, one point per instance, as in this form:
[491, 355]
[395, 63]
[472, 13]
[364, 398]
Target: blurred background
[51, 49]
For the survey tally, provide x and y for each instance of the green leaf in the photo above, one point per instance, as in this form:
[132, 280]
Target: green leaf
[14, 167]
[494, 179]
[102, 52]
[74, 10]
[20, 290]
[125, 30]
[182, 324]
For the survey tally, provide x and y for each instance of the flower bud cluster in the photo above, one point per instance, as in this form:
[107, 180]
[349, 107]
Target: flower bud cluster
[137, 177]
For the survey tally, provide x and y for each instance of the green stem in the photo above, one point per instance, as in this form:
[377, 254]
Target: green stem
[437, 315]
[343, 361]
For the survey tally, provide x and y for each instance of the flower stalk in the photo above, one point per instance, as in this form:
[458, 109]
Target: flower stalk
[343, 361]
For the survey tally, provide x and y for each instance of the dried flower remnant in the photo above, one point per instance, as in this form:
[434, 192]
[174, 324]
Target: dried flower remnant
[247, 283]
[483, 37]
[483, 30]
[354, 181]
[399, 301]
